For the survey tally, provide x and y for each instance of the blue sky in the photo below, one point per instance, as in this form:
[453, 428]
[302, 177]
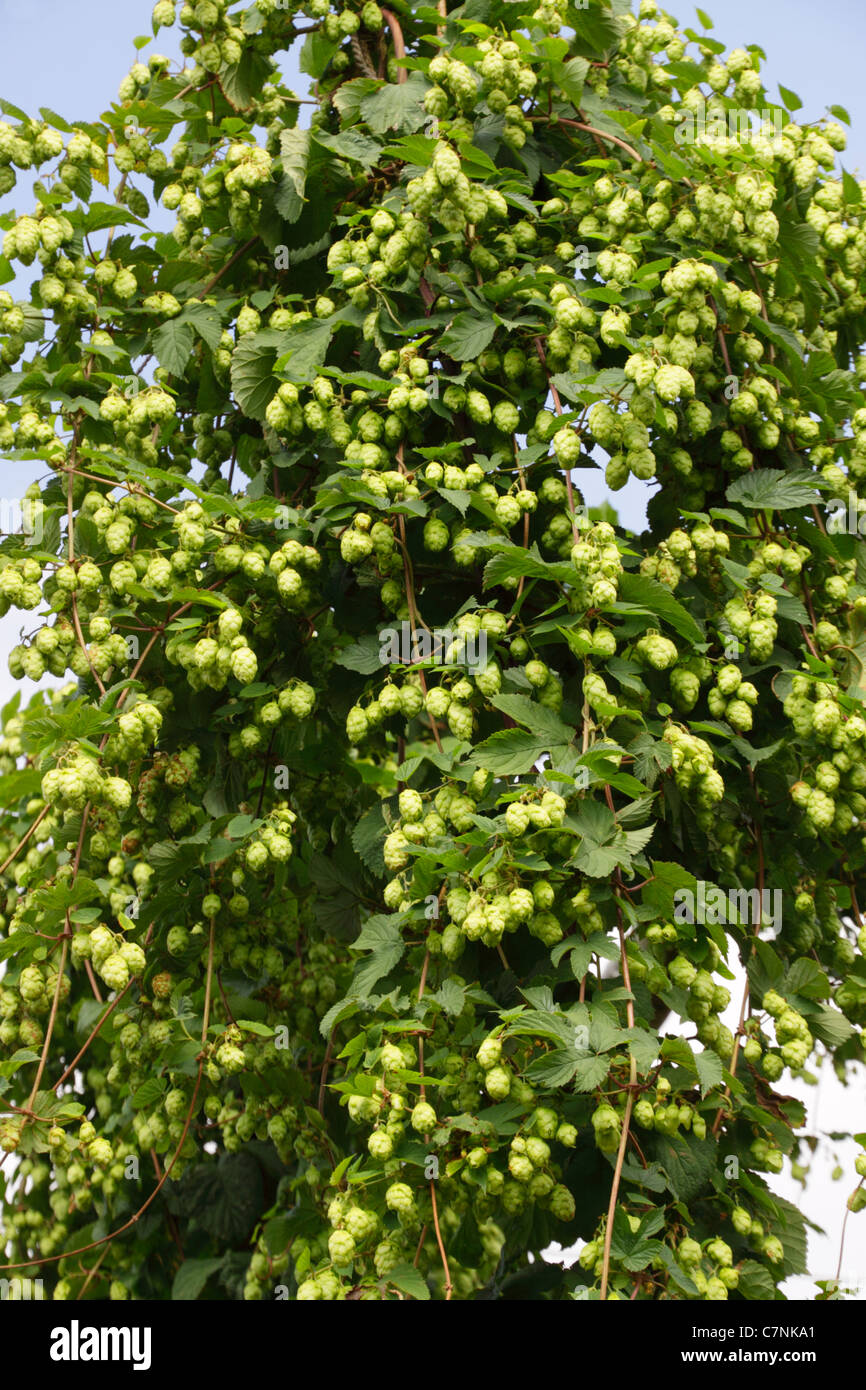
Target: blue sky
[72, 56]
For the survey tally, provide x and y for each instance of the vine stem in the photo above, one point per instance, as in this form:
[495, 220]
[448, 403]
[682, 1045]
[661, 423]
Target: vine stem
[523, 488]
[21, 843]
[632, 1083]
[70, 541]
[76, 621]
[599, 134]
[90, 1273]
[420, 1245]
[399, 46]
[52, 1019]
[444, 1257]
[170, 1220]
[617, 1175]
[421, 986]
[208, 984]
[764, 315]
[842, 1237]
[586, 717]
[228, 265]
[93, 1032]
[323, 1078]
[136, 1216]
[745, 1000]
[131, 488]
[91, 979]
[569, 487]
[448, 1285]
[409, 586]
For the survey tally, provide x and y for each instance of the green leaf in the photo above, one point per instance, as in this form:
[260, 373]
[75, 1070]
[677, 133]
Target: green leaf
[756, 1281]
[277, 1234]
[773, 489]
[378, 963]
[316, 53]
[9, 110]
[149, 1092]
[361, 656]
[537, 718]
[644, 1047]
[218, 850]
[240, 827]
[344, 1008]
[590, 1072]
[102, 215]
[407, 1279]
[294, 155]
[52, 118]
[242, 82]
[83, 915]
[172, 343]
[709, 1068]
[637, 840]
[510, 751]
[451, 996]
[513, 562]
[307, 344]
[570, 77]
[791, 100]
[778, 334]
[467, 337]
[555, 1068]
[677, 1273]
[396, 105]
[225, 1197]
[581, 954]
[806, 977]
[830, 1026]
[851, 189]
[411, 149]
[378, 931]
[254, 382]
[687, 1164]
[634, 1248]
[598, 861]
[791, 1230]
[192, 1277]
[18, 1059]
[352, 145]
[205, 320]
[368, 839]
[653, 596]
[348, 97]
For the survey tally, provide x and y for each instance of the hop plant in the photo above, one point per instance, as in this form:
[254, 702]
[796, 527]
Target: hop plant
[406, 924]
